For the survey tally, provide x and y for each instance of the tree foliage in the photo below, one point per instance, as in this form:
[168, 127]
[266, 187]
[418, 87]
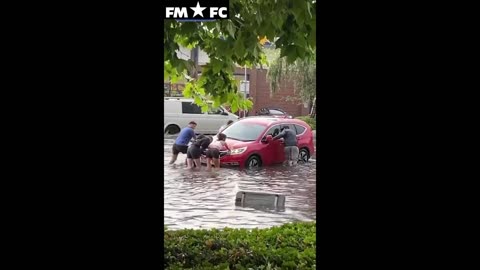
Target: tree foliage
[302, 72]
[291, 23]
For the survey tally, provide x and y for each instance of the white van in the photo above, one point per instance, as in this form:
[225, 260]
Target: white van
[180, 111]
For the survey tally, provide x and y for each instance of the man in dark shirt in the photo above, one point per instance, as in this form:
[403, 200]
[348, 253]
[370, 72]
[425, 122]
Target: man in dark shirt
[291, 149]
[181, 143]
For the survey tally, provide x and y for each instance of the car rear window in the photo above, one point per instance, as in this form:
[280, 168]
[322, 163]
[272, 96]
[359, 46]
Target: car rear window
[299, 129]
[188, 107]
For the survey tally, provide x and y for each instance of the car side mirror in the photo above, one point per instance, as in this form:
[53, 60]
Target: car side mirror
[224, 113]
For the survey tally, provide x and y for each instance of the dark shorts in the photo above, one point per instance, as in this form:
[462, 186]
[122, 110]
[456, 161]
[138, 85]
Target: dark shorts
[194, 152]
[213, 153]
[179, 149]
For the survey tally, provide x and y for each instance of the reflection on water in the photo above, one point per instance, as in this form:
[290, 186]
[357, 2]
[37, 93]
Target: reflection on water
[201, 199]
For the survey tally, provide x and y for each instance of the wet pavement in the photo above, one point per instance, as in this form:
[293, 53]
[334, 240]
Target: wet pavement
[201, 199]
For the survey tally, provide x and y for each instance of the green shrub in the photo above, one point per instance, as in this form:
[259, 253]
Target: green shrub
[290, 246]
[311, 121]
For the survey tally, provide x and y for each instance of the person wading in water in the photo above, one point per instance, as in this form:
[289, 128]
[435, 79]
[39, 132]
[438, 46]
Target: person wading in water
[195, 151]
[181, 143]
[213, 151]
[291, 149]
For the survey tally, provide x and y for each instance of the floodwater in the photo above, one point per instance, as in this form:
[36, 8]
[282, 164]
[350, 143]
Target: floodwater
[202, 200]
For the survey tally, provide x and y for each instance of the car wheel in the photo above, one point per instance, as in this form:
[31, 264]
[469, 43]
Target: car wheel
[172, 129]
[303, 155]
[253, 162]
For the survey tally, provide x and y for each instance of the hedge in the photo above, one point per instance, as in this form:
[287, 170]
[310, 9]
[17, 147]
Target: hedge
[311, 121]
[290, 246]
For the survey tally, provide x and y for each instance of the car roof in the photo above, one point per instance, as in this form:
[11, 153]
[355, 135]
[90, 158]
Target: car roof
[268, 121]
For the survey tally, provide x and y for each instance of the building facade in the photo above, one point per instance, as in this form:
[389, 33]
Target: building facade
[259, 90]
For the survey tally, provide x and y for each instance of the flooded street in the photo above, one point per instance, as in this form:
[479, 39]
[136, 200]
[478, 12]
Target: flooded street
[201, 199]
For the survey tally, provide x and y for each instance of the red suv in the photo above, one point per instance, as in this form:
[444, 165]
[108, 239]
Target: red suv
[251, 144]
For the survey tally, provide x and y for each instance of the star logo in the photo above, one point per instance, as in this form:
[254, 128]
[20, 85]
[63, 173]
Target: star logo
[198, 10]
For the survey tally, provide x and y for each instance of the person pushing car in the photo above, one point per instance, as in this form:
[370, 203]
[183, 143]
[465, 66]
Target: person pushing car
[181, 143]
[195, 151]
[291, 147]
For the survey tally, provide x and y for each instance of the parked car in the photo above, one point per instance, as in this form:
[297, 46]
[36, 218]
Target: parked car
[180, 111]
[273, 112]
[251, 144]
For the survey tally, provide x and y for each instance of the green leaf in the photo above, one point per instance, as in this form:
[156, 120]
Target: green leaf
[255, 52]
[263, 59]
[231, 29]
[234, 107]
[309, 8]
[300, 52]
[216, 66]
[188, 27]
[165, 53]
[187, 91]
[239, 47]
[218, 84]
[300, 41]
[291, 52]
[181, 65]
[197, 100]
[200, 90]
[224, 98]
[277, 19]
[283, 52]
[298, 10]
[174, 76]
[217, 102]
[258, 17]
[232, 96]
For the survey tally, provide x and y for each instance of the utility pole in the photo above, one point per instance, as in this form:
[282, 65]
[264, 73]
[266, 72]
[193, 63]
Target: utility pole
[194, 57]
[245, 89]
